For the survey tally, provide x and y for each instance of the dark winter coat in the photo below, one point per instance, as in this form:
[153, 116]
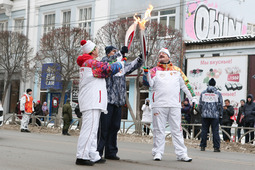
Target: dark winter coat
[187, 111]
[227, 113]
[240, 112]
[116, 85]
[38, 110]
[249, 110]
[211, 103]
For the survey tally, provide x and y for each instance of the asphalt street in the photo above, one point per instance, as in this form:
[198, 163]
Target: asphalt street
[25, 151]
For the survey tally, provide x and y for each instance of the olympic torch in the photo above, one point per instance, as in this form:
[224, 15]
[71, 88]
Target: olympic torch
[142, 23]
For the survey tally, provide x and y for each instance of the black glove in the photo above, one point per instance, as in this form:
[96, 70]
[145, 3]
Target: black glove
[124, 50]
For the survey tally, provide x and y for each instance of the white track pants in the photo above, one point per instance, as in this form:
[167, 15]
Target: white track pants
[25, 121]
[87, 142]
[160, 117]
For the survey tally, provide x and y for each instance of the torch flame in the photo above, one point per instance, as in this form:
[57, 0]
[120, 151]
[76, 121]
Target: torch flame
[145, 19]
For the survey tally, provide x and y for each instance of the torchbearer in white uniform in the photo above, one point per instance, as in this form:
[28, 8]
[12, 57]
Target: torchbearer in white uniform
[166, 80]
[92, 101]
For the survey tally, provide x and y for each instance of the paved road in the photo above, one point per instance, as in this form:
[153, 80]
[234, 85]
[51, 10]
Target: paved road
[50, 151]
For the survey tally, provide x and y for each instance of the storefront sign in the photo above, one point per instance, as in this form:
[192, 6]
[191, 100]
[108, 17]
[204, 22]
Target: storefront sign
[51, 77]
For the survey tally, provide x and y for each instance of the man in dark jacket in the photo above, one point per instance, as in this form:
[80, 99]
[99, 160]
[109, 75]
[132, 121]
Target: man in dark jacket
[116, 92]
[228, 111]
[239, 119]
[210, 106]
[249, 117]
[67, 117]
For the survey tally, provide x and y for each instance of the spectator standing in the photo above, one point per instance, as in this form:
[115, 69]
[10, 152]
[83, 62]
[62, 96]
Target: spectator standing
[67, 117]
[26, 108]
[210, 106]
[187, 114]
[228, 111]
[147, 116]
[240, 116]
[45, 109]
[249, 117]
[38, 108]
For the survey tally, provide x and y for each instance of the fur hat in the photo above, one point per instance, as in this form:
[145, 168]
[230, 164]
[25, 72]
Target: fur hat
[87, 46]
[212, 82]
[165, 50]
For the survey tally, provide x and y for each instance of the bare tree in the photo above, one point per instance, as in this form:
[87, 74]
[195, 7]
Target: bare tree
[62, 46]
[14, 47]
[157, 37]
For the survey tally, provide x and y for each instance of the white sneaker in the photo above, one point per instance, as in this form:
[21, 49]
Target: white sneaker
[184, 159]
[157, 157]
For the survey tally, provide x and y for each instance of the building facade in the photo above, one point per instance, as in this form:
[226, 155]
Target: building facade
[197, 19]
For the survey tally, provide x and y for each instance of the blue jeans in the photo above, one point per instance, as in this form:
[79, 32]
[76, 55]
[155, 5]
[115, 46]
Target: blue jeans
[214, 123]
[107, 131]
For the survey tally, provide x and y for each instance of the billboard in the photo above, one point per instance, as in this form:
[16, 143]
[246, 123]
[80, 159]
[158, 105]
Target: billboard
[205, 19]
[230, 74]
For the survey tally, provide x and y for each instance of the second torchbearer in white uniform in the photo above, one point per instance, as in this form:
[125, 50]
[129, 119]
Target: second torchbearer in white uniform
[166, 80]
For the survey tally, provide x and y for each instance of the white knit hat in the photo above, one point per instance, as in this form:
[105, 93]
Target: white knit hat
[87, 46]
[165, 50]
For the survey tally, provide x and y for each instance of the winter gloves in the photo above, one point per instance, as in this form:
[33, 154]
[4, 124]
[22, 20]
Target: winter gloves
[124, 50]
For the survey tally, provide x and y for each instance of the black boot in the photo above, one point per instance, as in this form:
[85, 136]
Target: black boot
[63, 132]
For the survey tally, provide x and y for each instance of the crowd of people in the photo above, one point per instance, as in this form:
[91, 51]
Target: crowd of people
[103, 83]
[26, 107]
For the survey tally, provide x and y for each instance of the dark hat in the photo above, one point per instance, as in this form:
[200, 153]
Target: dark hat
[68, 100]
[108, 49]
[29, 90]
[212, 82]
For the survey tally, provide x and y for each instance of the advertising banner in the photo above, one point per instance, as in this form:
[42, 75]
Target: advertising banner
[51, 77]
[230, 74]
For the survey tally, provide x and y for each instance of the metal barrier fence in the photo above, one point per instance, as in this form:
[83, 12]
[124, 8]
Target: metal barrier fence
[193, 131]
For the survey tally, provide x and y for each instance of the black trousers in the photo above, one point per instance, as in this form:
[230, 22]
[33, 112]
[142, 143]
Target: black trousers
[228, 130]
[214, 123]
[108, 130]
[249, 137]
